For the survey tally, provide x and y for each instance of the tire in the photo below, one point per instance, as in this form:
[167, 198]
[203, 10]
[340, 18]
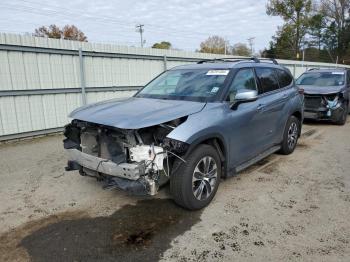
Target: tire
[344, 115]
[290, 136]
[185, 182]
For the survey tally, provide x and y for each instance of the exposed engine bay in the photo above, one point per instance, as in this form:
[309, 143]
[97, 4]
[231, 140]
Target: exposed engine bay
[137, 161]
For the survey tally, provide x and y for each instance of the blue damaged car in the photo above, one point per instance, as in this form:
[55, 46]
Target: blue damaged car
[192, 125]
[327, 94]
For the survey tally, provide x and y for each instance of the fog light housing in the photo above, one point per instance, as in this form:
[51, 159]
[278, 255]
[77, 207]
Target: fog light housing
[175, 145]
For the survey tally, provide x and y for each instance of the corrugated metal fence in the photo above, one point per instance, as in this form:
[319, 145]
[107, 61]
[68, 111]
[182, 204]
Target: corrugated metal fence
[42, 80]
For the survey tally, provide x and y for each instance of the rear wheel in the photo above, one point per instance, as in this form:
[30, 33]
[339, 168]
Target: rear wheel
[290, 136]
[194, 183]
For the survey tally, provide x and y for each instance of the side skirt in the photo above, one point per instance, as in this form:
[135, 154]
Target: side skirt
[257, 158]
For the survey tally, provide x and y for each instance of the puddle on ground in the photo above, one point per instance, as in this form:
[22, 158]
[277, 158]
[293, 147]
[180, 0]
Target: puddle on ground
[140, 232]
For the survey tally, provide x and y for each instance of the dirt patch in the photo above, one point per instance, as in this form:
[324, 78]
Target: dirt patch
[309, 133]
[140, 232]
[270, 168]
[303, 145]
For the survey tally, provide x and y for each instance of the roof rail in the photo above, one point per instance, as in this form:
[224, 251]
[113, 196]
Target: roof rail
[233, 59]
[221, 60]
[273, 60]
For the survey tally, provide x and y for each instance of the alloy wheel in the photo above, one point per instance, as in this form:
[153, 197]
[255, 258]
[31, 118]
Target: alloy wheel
[292, 135]
[204, 178]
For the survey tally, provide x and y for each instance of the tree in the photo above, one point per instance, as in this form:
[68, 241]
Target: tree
[296, 15]
[215, 45]
[241, 49]
[162, 45]
[69, 32]
[317, 27]
[282, 44]
[52, 31]
[336, 13]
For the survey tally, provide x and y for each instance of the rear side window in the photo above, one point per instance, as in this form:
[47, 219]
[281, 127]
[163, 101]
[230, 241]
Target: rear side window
[284, 78]
[267, 79]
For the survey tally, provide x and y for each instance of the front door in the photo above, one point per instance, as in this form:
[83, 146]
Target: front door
[243, 122]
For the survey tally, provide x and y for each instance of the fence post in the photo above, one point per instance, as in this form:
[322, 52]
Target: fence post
[294, 70]
[165, 63]
[82, 76]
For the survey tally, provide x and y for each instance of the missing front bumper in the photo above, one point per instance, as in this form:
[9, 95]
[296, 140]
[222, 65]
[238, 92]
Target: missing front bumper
[127, 177]
[105, 166]
[323, 114]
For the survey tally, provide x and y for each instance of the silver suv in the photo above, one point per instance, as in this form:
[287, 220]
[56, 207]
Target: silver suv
[192, 125]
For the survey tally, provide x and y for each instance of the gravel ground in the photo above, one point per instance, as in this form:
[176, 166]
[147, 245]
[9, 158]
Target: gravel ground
[293, 207]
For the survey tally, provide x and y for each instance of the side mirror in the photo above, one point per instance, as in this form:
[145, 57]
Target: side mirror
[244, 96]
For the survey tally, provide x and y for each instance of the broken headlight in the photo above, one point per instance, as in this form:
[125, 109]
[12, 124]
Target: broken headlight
[175, 145]
[332, 102]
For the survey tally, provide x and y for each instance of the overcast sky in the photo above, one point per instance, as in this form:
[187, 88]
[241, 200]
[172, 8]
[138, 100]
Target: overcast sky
[184, 23]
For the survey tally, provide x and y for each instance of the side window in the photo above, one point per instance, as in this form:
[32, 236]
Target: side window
[267, 79]
[348, 77]
[284, 78]
[244, 79]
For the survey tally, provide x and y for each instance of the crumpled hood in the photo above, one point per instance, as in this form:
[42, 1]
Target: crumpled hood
[135, 113]
[321, 90]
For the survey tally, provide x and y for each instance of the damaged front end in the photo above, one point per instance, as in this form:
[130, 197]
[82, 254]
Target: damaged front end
[135, 160]
[324, 107]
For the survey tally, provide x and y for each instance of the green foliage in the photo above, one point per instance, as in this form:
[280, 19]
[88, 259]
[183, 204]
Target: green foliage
[283, 44]
[319, 28]
[162, 45]
[296, 14]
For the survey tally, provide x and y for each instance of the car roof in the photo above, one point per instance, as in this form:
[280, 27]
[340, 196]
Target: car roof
[325, 70]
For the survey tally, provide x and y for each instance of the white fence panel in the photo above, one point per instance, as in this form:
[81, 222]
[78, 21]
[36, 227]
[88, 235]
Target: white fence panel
[40, 80]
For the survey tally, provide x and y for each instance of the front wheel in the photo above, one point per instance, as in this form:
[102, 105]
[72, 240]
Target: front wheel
[290, 136]
[194, 183]
[344, 115]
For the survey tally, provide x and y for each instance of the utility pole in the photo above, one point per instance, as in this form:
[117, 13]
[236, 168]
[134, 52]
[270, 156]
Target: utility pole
[251, 44]
[139, 28]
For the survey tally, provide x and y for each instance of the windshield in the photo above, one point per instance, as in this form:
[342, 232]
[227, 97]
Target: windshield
[185, 84]
[321, 79]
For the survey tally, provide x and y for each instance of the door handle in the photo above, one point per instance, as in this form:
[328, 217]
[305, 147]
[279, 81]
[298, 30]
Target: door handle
[260, 107]
[285, 96]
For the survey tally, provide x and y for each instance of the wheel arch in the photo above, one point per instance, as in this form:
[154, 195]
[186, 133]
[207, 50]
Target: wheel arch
[299, 116]
[218, 142]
